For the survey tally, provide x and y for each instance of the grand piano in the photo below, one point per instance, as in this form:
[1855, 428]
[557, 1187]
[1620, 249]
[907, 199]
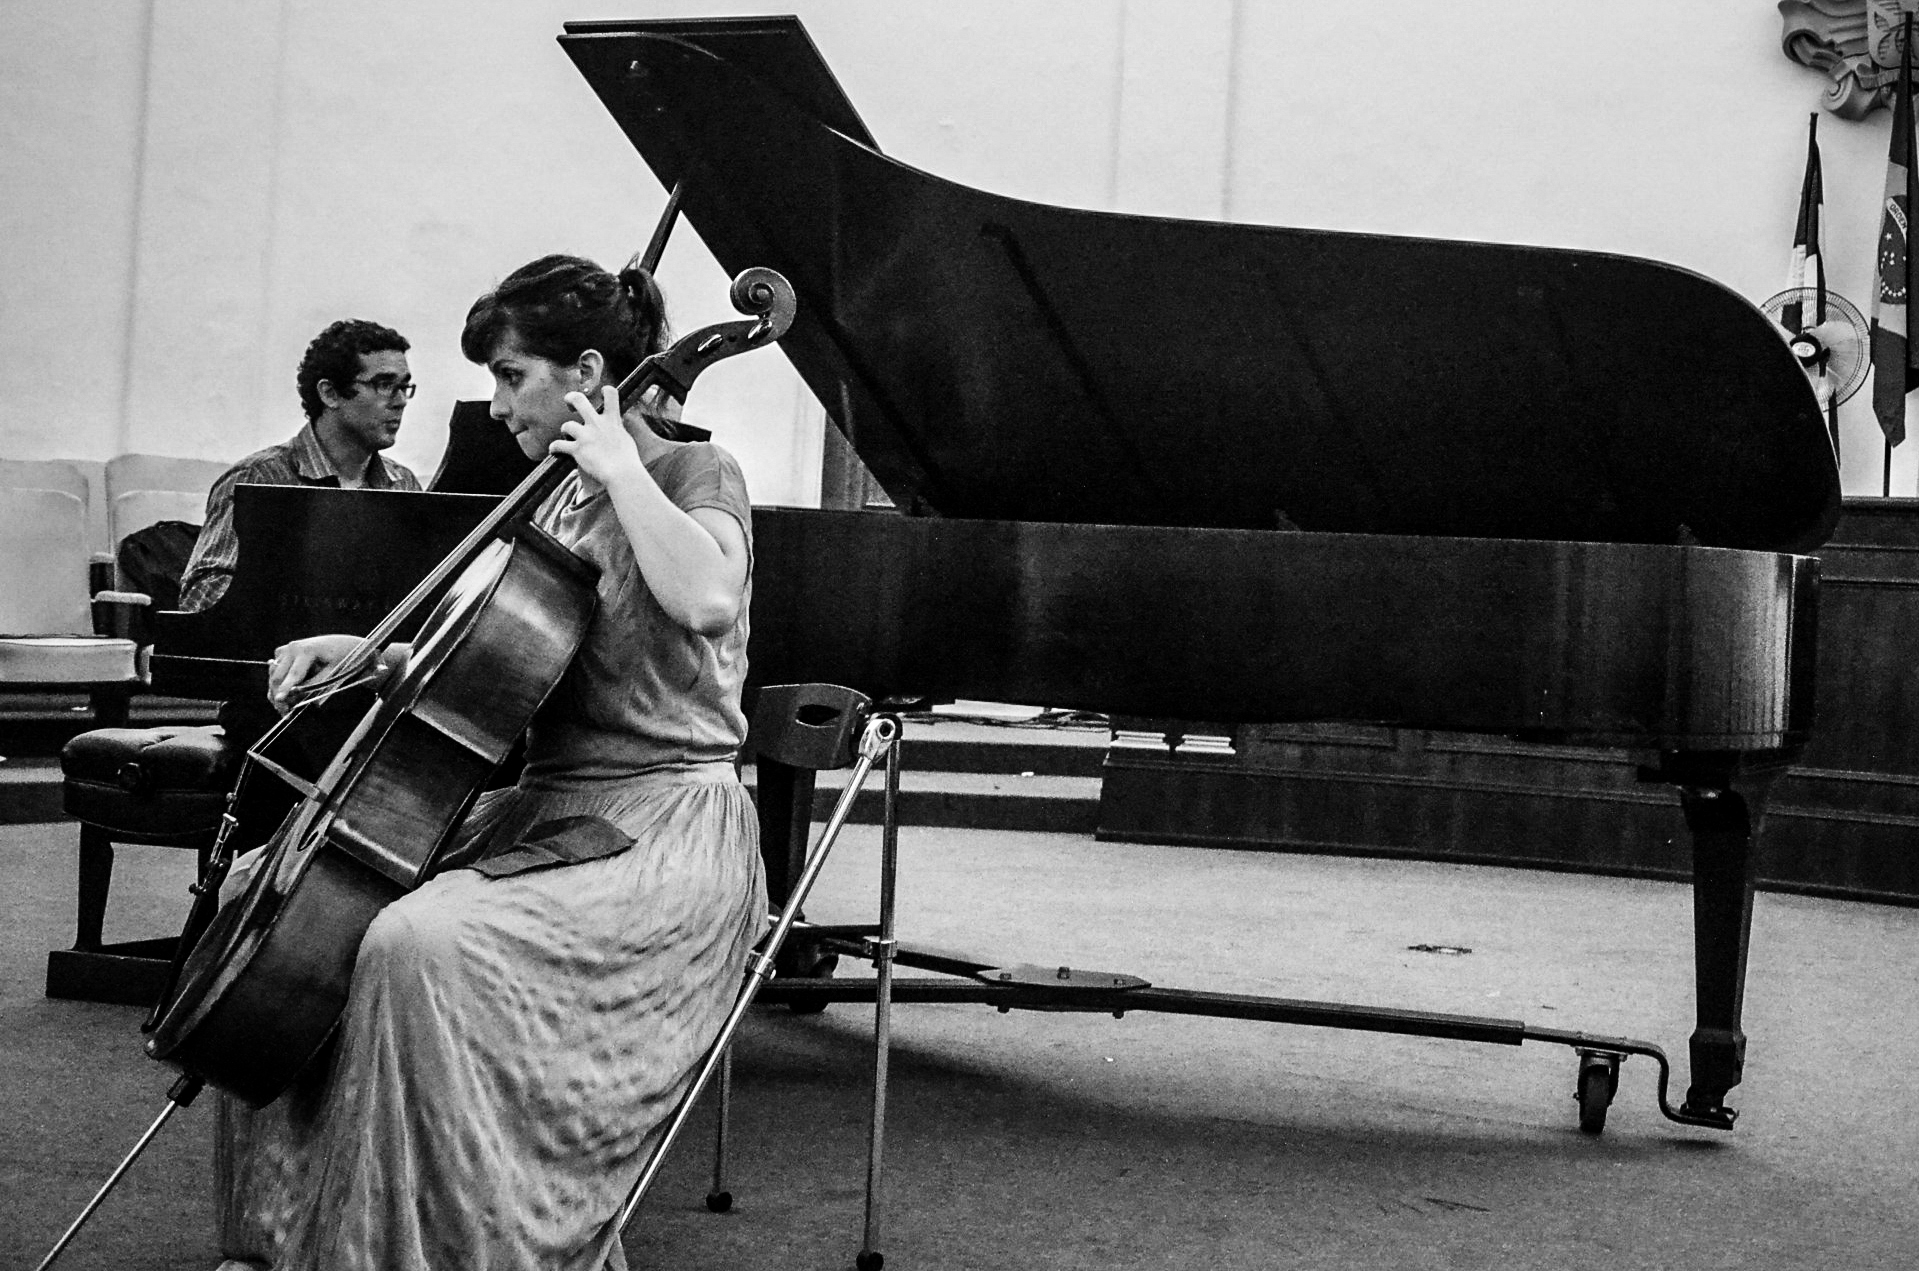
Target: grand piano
[1251, 474]
[1203, 471]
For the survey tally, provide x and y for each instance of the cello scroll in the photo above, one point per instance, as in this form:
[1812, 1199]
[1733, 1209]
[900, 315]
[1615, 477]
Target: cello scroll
[758, 291]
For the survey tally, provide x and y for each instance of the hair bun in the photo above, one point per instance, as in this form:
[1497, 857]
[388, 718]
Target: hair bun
[634, 281]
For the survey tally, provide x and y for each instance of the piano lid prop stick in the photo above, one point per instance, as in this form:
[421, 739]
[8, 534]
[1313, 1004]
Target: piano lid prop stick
[656, 246]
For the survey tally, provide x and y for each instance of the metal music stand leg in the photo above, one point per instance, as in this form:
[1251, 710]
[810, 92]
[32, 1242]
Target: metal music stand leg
[718, 1198]
[870, 1258]
[881, 731]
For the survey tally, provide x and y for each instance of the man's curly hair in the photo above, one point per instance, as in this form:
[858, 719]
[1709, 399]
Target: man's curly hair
[334, 356]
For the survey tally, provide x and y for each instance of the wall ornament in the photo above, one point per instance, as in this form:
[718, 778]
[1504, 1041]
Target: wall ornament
[1855, 43]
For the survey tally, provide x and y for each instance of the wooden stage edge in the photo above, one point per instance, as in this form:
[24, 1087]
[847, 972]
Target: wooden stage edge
[1842, 823]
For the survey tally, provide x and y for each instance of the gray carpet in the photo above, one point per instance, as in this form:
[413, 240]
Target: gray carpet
[1040, 1140]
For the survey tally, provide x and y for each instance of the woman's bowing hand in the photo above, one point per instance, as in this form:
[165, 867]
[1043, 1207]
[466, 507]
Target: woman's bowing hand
[301, 662]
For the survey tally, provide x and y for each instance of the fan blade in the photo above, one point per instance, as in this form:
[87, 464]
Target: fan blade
[1832, 333]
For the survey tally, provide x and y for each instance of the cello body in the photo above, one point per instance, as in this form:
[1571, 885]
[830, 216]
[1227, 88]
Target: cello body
[265, 985]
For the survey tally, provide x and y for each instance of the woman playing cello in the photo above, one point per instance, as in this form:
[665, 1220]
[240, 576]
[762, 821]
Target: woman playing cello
[518, 1027]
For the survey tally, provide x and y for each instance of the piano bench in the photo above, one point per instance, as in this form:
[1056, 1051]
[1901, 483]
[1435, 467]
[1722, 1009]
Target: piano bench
[164, 786]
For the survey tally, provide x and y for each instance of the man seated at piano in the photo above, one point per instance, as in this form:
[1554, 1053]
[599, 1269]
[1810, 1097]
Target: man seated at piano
[515, 1032]
[354, 385]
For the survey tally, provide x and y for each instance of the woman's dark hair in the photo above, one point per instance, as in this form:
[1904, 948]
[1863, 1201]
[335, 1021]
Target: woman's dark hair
[558, 307]
[334, 356]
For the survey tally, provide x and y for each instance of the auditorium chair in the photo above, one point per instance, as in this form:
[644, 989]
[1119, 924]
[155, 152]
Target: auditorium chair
[155, 506]
[68, 476]
[161, 786]
[50, 625]
[144, 489]
[84, 479]
[127, 473]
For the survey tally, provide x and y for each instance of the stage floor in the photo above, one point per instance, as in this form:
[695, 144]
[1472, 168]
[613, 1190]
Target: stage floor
[1044, 1140]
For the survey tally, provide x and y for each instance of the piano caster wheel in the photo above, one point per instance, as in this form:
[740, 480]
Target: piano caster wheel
[719, 1202]
[870, 1261]
[1598, 1082]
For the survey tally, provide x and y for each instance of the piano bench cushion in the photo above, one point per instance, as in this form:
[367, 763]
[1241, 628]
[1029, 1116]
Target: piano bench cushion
[80, 660]
[160, 785]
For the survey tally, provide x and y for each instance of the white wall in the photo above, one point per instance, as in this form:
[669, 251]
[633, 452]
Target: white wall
[72, 97]
[194, 187]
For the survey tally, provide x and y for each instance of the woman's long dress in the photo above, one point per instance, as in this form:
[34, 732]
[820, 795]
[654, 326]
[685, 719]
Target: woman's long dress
[518, 1030]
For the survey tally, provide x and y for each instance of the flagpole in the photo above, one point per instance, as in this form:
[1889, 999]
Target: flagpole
[1816, 246]
[1816, 233]
[1895, 371]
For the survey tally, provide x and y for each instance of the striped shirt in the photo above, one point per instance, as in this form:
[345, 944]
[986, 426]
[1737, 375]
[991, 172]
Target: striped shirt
[302, 461]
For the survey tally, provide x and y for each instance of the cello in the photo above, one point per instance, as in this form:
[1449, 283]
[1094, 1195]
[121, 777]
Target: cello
[265, 984]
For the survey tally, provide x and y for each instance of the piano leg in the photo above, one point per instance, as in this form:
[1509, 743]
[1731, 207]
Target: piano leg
[1723, 805]
[785, 817]
[784, 795]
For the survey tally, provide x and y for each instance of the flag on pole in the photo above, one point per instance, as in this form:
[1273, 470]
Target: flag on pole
[1894, 374]
[1808, 268]
[1807, 273]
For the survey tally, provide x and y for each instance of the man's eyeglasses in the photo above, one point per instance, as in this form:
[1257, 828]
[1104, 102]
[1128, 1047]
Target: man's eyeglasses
[389, 387]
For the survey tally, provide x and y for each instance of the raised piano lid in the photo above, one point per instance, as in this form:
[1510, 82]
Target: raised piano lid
[993, 358]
